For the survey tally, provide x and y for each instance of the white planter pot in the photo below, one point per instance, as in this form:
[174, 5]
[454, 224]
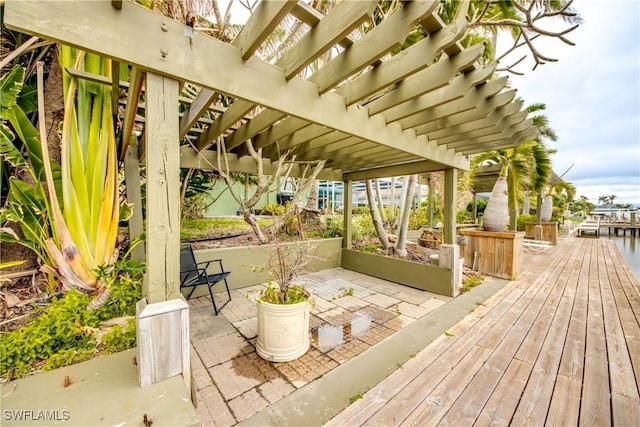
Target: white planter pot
[283, 330]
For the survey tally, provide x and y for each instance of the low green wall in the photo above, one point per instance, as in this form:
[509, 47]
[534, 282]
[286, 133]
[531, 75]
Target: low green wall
[240, 260]
[408, 273]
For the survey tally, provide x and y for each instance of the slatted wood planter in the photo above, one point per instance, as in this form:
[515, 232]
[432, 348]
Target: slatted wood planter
[499, 254]
[549, 231]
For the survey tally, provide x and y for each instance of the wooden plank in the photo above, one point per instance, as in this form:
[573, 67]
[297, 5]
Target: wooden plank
[565, 403]
[535, 400]
[208, 160]
[436, 402]
[628, 305]
[432, 78]
[500, 406]
[596, 399]
[162, 280]
[135, 36]
[341, 21]
[261, 23]
[624, 389]
[478, 100]
[374, 44]
[400, 66]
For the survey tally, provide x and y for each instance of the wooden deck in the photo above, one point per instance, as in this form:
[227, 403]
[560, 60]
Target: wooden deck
[559, 346]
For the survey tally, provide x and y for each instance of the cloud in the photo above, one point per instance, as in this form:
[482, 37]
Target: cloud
[593, 100]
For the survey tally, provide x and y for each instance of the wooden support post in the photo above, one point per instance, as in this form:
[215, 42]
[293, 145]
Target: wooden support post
[450, 251]
[449, 208]
[162, 281]
[347, 202]
[134, 197]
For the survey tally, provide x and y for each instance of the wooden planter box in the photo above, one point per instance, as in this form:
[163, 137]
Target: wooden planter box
[549, 231]
[422, 276]
[499, 254]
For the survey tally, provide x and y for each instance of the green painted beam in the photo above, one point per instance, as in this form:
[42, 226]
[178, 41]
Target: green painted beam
[448, 115]
[397, 170]
[261, 23]
[456, 89]
[425, 112]
[400, 66]
[452, 133]
[382, 39]
[431, 78]
[514, 140]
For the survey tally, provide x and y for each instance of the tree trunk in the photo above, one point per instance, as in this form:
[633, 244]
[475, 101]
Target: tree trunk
[383, 215]
[496, 214]
[401, 245]
[310, 212]
[403, 199]
[377, 223]
[251, 220]
[547, 208]
[392, 202]
[526, 205]
[539, 208]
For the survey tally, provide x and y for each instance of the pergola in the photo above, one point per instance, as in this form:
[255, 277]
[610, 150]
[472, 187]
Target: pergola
[369, 114]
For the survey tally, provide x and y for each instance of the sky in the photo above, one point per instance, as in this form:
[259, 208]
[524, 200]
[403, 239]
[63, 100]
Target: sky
[592, 95]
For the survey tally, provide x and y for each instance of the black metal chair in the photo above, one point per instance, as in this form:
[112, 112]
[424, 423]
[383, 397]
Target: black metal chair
[194, 274]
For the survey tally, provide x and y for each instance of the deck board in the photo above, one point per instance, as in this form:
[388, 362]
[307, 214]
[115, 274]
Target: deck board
[558, 346]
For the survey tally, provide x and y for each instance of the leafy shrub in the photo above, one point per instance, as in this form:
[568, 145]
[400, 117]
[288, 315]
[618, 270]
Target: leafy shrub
[463, 217]
[417, 219]
[63, 333]
[362, 227]
[334, 226]
[471, 282]
[119, 338]
[61, 327]
[522, 219]
[274, 209]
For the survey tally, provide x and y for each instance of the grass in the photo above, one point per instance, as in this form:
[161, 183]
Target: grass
[213, 227]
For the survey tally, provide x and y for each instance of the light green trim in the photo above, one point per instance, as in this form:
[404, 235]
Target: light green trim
[409, 273]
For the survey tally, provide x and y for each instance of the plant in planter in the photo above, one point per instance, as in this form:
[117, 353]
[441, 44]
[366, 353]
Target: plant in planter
[284, 306]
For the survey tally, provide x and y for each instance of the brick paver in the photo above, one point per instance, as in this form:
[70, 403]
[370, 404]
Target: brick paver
[351, 313]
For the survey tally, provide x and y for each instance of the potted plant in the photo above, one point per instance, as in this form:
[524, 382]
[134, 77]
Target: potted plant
[284, 306]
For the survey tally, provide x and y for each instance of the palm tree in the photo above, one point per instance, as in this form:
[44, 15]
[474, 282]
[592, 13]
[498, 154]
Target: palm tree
[528, 161]
[603, 200]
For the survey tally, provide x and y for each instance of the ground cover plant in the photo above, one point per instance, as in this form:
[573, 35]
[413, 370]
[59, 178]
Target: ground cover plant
[66, 331]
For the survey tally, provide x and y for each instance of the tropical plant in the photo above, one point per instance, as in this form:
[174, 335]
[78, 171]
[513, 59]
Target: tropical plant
[73, 224]
[27, 204]
[529, 160]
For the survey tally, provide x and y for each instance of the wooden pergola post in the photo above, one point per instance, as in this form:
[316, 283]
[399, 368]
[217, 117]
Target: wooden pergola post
[449, 249]
[347, 198]
[162, 281]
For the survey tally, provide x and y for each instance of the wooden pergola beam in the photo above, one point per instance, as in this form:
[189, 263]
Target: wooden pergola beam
[456, 89]
[420, 167]
[343, 19]
[400, 66]
[471, 99]
[453, 133]
[461, 111]
[431, 78]
[259, 26]
[140, 40]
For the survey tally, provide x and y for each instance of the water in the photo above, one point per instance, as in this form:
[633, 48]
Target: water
[629, 247]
